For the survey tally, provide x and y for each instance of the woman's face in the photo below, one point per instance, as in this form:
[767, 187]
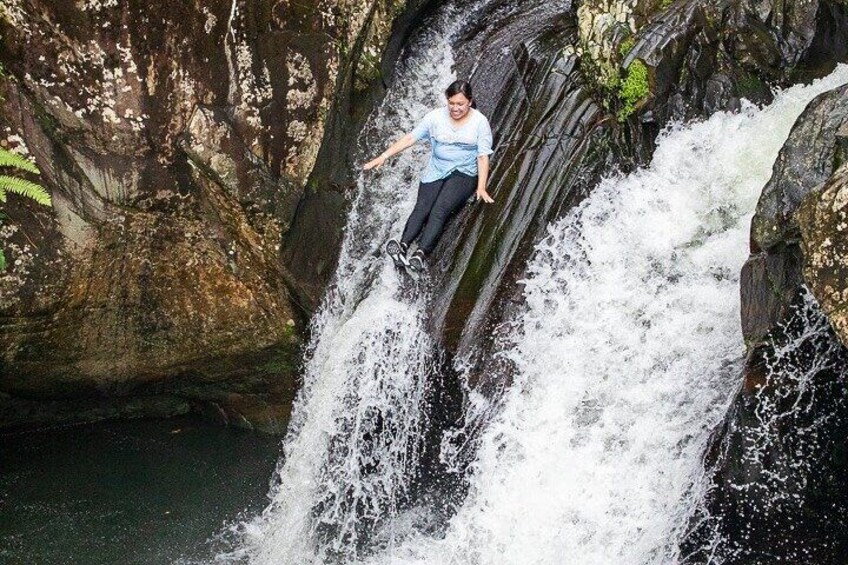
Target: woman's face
[458, 106]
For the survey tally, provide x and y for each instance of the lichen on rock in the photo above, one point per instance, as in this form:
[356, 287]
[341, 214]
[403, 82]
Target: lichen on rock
[177, 140]
[823, 218]
[773, 273]
[608, 31]
[12, 11]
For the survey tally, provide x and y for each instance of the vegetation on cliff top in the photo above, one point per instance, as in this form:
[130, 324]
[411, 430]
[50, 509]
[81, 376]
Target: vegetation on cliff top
[607, 33]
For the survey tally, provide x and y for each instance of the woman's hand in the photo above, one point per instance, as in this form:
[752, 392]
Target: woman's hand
[483, 179]
[375, 163]
[481, 194]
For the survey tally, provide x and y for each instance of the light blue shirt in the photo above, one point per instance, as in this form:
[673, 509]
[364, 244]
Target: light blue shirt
[453, 148]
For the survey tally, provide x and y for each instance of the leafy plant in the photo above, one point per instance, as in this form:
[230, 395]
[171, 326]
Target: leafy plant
[633, 89]
[626, 47]
[16, 185]
[28, 189]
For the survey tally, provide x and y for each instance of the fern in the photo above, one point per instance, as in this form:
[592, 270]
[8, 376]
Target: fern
[24, 188]
[15, 161]
[9, 160]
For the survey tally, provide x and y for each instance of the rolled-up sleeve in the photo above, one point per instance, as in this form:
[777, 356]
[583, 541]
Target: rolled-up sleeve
[421, 132]
[484, 138]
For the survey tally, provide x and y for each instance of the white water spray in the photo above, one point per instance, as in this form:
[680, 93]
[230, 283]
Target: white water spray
[354, 440]
[627, 356]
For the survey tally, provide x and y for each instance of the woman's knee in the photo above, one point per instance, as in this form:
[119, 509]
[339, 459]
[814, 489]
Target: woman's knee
[445, 209]
[440, 214]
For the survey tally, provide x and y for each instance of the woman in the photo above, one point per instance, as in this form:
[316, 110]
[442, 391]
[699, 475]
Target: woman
[461, 142]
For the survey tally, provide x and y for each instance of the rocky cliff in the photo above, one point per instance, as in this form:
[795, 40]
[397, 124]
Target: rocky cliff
[177, 141]
[199, 157]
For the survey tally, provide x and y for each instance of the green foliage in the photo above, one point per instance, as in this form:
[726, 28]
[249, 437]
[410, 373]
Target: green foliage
[28, 189]
[396, 10]
[603, 74]
[286, 359]
[666, 3]
[367, 71]
[634, 88]
[609, 77]
[16, 185]
[626, 47]
[617, 89]
[15, 161]
[749, 86]
[25, 188]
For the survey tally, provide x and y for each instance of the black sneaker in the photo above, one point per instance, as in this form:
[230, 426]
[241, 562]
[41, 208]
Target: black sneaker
[397, 251]
[418, 261]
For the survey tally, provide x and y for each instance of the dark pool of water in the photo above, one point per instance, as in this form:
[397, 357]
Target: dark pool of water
[145, 492]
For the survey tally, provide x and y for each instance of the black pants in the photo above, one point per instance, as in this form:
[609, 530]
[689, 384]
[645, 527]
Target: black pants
[437, 202]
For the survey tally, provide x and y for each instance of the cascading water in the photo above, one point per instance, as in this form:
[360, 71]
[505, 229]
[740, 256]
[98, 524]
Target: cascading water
[627, 355]
[352, 451]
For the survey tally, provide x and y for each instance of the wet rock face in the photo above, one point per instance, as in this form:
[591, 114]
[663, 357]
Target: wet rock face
[553, 87]
[806, 160]
[697, 65]
[561, 132]
[120, 74]
[311, 246]
[778, 489]
[176, 140]
[548, 138]
[703, 57]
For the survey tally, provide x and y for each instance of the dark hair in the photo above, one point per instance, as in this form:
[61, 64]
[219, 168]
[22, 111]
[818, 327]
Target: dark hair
[461, 87]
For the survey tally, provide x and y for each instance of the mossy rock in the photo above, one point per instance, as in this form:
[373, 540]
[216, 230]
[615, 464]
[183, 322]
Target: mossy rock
[634, 89]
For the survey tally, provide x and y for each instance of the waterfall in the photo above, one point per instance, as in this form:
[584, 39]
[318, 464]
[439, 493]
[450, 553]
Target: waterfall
[352, 450]
[627, 355]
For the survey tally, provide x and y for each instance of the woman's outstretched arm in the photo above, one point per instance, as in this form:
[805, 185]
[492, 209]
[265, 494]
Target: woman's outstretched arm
[404, 142]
